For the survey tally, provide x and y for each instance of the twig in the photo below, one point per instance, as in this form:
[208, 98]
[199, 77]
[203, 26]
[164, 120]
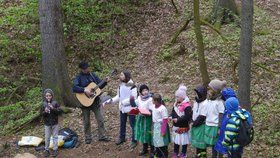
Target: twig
[35, 79]
[178, 32]
[12, 94]
[18, 128]
[235, 77]
[175, 7]
[265, 68]
[213, 28]
[261, 97]
[255, 63]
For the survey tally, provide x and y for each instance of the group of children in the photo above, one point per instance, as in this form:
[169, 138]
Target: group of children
[211, 120]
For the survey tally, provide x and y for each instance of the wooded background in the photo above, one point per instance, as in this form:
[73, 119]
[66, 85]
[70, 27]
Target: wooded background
[164, 43]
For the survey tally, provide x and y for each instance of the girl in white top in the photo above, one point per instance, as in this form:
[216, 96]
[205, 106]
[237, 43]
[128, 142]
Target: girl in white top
[143, 126]
[161, 135]
[214, 113]
[126, 90]
[198, 127]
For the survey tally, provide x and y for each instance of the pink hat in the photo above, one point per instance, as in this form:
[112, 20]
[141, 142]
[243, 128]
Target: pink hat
[181, 92]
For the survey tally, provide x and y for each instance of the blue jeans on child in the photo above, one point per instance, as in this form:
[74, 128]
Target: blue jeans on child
[123, 119]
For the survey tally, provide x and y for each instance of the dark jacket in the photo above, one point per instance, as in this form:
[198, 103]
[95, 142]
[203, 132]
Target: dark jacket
[184, 120]
[82, 80]
[50, 118]
[201, 95]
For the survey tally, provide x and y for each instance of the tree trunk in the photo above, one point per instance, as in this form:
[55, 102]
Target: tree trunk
[223, 12]
[245, 53]
[200, 45]
[54, 64]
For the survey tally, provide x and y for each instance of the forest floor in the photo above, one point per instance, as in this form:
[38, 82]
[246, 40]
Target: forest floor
[145, 54]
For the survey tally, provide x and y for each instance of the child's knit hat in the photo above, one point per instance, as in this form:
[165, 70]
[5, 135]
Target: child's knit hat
[217, 85]
[142, 87]
[48, 91]
[201, 92]
[182, 91]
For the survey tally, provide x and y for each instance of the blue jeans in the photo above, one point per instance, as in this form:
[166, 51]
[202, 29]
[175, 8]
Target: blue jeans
[123, 119]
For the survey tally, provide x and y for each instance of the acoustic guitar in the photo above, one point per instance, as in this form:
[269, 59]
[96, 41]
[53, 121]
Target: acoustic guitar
[87, 100]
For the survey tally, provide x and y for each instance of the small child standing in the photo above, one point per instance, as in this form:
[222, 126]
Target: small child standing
[236, 117]
[198, 127]
[214, 113]
[50, 111]
[161, 135]
[226, 93]
[181, 117]
[143, 126]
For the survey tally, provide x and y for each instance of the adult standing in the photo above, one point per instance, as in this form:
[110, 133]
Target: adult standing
[83, 79]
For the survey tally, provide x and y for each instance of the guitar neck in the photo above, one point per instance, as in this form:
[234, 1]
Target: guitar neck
[98, 85]
[101, 83]
[104, 80]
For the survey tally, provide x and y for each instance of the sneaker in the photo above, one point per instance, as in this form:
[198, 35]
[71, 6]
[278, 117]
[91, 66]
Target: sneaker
[47, 153]
[120, 141]
[54, 153]
[88, 141]
[133, 145]
[104, 139]
[175, 155]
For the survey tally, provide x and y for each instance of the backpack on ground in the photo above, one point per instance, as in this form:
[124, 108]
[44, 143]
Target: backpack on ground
[70, 138]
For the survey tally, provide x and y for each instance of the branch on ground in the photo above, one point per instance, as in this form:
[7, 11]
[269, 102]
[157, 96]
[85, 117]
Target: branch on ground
[175, 7]
[213, 28]
[179, 31]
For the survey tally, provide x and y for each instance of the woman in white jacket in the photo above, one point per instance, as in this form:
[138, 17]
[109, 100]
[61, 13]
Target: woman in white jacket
[126, 90]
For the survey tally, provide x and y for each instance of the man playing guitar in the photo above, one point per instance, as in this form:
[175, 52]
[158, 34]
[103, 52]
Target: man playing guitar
[83, 79]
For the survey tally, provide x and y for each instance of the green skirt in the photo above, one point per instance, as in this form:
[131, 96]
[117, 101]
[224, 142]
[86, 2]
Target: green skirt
[197, 137]
[143, 129]
[211, 135]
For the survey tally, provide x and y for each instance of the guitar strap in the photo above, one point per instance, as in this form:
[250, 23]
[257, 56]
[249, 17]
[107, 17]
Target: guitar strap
[94, 80]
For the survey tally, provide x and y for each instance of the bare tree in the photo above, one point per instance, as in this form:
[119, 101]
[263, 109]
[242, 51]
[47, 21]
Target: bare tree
[55, 74]
[200, 45]
[244, 72]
